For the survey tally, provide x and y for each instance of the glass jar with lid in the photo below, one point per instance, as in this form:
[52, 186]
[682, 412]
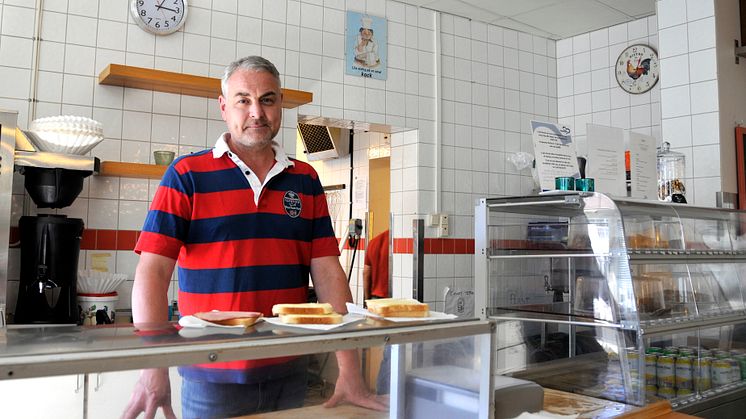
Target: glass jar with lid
[671, 171]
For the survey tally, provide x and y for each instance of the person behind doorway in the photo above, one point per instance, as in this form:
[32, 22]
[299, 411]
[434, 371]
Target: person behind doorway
[247, 225]
[376, 285]
[376, 268]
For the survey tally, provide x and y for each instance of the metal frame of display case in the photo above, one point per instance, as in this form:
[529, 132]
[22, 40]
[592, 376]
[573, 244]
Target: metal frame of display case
[568, 203]
[61, 350]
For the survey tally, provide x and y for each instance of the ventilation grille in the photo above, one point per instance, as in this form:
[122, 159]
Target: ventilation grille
[316, 138]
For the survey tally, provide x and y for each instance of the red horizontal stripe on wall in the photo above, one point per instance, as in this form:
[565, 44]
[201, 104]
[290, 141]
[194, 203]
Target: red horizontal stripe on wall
[95, 239]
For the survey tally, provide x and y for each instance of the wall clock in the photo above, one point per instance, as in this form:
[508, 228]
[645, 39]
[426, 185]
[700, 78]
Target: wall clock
[637, 69]
[160, 17]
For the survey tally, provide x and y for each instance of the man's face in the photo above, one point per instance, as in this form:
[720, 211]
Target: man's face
[252, 108]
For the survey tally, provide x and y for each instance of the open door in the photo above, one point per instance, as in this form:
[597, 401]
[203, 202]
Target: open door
[379, 210]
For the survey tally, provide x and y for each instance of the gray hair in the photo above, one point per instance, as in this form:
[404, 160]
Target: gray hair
[253, 62]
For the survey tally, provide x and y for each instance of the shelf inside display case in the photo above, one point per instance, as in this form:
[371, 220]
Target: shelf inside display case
[565, 273]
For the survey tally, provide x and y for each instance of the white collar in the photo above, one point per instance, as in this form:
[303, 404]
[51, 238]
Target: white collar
[221, 147]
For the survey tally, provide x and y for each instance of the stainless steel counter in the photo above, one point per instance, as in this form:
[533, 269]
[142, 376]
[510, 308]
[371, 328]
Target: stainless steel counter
[42, 351]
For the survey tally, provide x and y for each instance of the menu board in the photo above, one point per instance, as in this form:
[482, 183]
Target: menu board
[642, 164]
[554, 152]
[606, 159]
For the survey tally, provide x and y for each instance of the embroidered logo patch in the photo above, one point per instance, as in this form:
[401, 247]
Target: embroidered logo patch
[291, 202]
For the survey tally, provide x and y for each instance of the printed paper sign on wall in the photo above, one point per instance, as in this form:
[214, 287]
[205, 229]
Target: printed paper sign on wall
[365, 53]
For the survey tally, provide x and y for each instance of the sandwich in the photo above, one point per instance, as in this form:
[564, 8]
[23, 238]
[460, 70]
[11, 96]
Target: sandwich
[398, 307]
[330, 318]
[307, 313]
[303, 308]
[229, 318]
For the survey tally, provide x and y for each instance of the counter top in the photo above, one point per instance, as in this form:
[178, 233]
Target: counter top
[39, 351]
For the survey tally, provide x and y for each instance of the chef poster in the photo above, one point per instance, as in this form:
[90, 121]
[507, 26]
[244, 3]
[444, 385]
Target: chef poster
[554, 152]
[365, 47]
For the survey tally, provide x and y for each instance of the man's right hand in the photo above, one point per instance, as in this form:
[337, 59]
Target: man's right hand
[153, 390]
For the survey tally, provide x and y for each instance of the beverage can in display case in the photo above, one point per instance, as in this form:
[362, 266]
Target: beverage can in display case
[735, 370]
[681, 392]
[665, 370]
[666, 392]
[654, 350]
[703, 378]
[633, 358]
[650, 369]
[683, 373]
[670, 350]
[651, 390]
[742, 364]
[721, 372]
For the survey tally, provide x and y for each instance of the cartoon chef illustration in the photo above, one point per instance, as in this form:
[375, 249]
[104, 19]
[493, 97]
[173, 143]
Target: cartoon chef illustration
[366, 49]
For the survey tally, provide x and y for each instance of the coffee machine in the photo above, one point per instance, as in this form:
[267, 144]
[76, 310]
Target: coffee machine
[50, 243]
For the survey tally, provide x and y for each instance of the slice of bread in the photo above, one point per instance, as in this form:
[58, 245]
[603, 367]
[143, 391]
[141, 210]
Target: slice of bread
[230, 318]
[398, 307]
[303, 308]
[331, 318]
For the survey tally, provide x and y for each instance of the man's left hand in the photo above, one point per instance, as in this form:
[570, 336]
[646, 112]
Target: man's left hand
[350, 388]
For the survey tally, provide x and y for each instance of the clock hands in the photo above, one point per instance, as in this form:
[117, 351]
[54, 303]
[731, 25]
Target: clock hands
[159, 7]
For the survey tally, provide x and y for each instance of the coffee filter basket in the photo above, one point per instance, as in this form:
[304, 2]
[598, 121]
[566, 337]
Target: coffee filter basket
[95, 282]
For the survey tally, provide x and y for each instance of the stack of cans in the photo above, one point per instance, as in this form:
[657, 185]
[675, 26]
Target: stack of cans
[681, 371]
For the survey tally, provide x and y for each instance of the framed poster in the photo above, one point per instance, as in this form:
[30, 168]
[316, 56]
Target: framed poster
[365, 46]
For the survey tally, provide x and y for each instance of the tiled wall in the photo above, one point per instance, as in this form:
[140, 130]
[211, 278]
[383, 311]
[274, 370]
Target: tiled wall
[587, 90]
[305, 39]
[689, 92]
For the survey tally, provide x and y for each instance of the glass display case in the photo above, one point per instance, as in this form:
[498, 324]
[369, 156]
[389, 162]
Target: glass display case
[78, 372]
[621, 299]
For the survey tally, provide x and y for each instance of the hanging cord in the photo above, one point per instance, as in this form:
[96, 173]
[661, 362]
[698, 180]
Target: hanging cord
[352, 241]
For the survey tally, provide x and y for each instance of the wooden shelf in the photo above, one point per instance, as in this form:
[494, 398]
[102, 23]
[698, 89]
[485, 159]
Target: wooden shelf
[185, 84]
[135, 170]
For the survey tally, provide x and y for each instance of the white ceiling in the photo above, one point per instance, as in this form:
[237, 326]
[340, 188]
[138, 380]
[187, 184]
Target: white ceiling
[555, 19]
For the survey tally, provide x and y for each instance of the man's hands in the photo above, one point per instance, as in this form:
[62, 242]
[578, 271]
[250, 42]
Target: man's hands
[350, 388]
[153, 390]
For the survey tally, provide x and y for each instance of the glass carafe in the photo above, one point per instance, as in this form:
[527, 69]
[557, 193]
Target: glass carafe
[671, 171]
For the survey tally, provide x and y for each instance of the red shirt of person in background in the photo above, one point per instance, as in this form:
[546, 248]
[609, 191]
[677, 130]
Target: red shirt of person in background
[376, 269]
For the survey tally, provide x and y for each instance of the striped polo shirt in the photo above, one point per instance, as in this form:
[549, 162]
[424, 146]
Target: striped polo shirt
[236, 251]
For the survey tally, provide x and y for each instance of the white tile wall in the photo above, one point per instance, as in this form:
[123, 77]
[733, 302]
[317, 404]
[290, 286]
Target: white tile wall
[587, 91]
[689, 92]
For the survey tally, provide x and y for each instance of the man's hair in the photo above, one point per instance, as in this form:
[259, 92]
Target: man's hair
[251, 63]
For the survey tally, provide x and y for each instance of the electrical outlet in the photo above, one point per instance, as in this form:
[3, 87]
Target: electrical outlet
[443, 230]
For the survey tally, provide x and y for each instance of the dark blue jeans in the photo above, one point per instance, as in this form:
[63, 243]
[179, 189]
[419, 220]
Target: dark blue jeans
[202, 399]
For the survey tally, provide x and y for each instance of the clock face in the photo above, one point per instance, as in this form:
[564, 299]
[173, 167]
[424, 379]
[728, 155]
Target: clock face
[160, 17]
[637, 69]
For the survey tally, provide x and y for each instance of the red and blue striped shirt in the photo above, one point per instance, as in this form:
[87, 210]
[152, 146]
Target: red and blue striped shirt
[234, 254]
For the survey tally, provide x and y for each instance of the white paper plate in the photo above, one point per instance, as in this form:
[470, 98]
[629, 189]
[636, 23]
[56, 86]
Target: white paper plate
[433, 315]
[346, 319]
[197, 323]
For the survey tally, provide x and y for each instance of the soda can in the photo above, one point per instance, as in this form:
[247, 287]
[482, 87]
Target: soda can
[683, 373]
[742, 364]
[653, 350]
[666, 392]
[633, 359]
[670, 350]
[703, 377]
[721, 372]
[651, 361]
[651, 390]
[665, 370]
[720, 354]
[681, 392]
[735, 371]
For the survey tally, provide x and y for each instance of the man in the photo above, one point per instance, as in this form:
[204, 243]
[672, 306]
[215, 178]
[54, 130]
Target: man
[376, 268]
[247, 226]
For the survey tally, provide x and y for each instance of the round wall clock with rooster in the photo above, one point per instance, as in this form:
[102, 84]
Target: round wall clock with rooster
[637, 69]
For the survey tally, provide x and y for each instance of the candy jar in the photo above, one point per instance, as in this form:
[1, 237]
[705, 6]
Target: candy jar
[671, 171]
